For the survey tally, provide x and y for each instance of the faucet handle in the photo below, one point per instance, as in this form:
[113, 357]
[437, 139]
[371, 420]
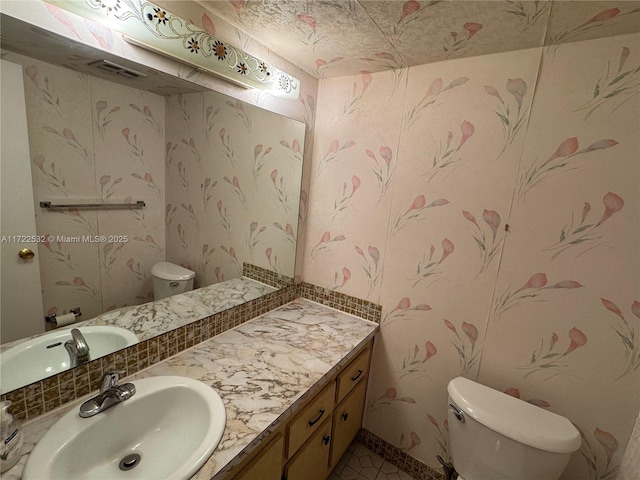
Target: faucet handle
[111, 379]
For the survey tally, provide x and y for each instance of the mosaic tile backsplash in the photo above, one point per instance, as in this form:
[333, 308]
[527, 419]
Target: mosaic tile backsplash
[265, 275]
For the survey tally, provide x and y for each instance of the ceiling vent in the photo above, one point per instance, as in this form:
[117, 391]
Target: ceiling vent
[114, 69]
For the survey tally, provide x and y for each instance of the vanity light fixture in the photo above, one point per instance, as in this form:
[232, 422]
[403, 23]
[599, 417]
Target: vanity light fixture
[148, 26]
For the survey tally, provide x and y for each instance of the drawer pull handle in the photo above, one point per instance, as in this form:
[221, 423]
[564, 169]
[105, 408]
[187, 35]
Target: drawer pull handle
[326, 439]
[345, 415]
[313, 422]
[353, 379]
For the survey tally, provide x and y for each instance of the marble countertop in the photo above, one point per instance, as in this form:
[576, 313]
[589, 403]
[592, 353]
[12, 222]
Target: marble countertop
[150, 319]
[153, 318]
[263, 370]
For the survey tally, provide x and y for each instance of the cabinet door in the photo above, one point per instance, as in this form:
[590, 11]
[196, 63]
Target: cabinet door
[347, 422]
[268, 463]
[310, 418]
[312, 460]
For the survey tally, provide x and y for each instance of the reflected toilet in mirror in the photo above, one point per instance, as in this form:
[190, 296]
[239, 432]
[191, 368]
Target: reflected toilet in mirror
[170, 279]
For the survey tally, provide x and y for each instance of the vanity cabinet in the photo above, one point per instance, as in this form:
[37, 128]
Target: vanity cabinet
[312, 415]
[353, 373]
[347, 421]
[267, 464]
[312, 461]
[310, 444]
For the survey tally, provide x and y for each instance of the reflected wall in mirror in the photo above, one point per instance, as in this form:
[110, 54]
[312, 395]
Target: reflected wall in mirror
[220, 179]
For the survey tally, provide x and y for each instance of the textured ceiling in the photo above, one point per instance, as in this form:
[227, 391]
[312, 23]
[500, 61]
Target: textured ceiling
[341, 37]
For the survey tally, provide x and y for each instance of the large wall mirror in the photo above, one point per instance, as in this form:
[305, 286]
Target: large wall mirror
[219, 178]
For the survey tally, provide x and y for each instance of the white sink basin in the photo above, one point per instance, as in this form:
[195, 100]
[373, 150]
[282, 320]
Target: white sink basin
[173, 423]
[45, 355]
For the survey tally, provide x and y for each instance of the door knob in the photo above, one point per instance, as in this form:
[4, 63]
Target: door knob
[26, 254]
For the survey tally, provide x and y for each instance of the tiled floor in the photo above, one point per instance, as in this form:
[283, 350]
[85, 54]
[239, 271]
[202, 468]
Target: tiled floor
[360, 463]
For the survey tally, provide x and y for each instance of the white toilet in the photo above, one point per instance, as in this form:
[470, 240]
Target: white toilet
[170, 279]
[494, 436]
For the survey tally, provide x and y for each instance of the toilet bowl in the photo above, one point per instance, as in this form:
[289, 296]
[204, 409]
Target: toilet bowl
[494, 436]
[170, 279]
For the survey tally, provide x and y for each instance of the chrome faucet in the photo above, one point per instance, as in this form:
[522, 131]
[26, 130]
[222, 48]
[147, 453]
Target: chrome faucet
[78, 348]
[111, 393]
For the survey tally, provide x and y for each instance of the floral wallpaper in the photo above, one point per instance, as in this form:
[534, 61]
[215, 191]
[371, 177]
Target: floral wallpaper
[490, 205]
[343, 37]
[233, 186]
[90, 39]
[94, 141]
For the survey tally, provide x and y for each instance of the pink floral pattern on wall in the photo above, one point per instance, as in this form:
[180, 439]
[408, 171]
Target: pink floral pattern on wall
[415, 362]
[428, 268]
[356, 95]
[560, 161]
[234, 180]
[586, 232]
[432, 97]
[488, 246]
[512, 120]
[598, 450]
[94, 141]
[416, 212]
[534, 289]
[465, 345]
[627, 331]
[387, 399]
[442, 436]
[615, 87]
[537, 225]
[402, 309]
[325, 243]
[447, 157]
[343, 201]
[382, 170]
[549, 361]
[371, 265]
[332, 153]
[340, 279]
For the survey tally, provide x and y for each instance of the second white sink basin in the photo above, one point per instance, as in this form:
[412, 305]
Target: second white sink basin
[168, 430]
[45, 355]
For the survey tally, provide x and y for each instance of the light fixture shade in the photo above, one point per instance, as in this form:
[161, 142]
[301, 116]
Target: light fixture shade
[148, 26]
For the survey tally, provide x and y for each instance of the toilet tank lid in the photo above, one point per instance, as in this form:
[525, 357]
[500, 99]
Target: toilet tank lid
[514, 418]
[171, 271]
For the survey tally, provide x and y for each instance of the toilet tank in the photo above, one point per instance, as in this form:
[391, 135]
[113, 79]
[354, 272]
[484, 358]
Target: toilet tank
[170, 279]
[504, 438]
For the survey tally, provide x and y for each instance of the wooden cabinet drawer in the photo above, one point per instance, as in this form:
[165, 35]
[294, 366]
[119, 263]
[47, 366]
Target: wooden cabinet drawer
[312, 461]
[347, 422]
[353, 373]
[310, 418]
[267, 465]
